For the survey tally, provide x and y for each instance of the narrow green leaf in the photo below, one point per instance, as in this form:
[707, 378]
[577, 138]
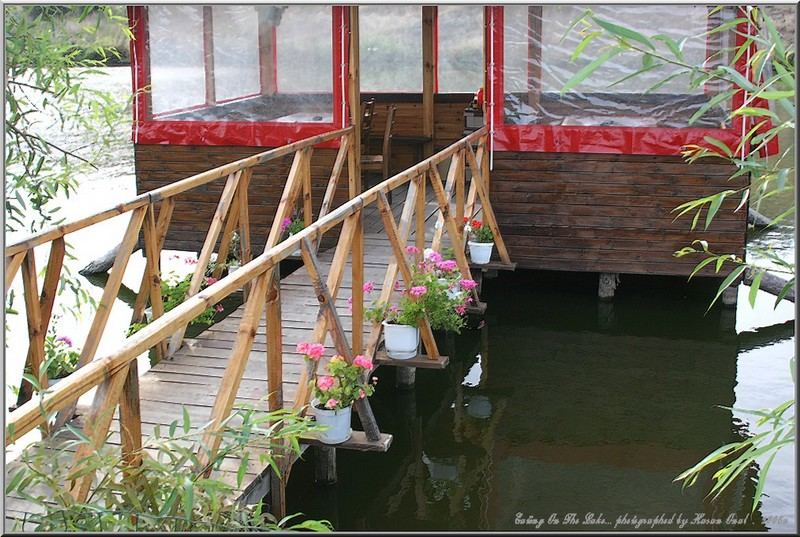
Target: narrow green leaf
[626, 33]
[735, 273]
[786, 288]
[671, 45]
[716, 202]
[720, 145]
[754, 288]
[583, 44]
[581, 75]
[701, 265]
[714, 101]
[187, 422]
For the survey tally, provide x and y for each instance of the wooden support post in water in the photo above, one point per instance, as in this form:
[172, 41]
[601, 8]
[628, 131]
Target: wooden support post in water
[607, 285]
[325, 465]
[405, 377]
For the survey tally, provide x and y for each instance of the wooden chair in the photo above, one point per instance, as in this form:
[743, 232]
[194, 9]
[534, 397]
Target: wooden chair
[367, 114]
[380, 163]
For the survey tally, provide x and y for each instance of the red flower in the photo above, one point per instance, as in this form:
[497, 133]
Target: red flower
[476, 224]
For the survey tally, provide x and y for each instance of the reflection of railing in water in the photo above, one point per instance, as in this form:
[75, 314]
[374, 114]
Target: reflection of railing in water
[115, 374]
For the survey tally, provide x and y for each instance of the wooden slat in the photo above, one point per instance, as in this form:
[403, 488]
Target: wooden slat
[203, 259]
[246, 253]
[130, 417]
[96, 427]
[231, 223]
[440, 362]
[111, 288]
[358, 441]
[312, 266]
[335, 274]
[55, 262]
[391, 270]
[229, 386]
[12, 266]
[338, 165]
[34, 314]
[419, 213]
[453, 229]
[392, 233]
[153, 271]
[274, 344]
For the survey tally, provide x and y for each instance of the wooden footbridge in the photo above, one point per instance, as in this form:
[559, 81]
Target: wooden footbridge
[249, 357]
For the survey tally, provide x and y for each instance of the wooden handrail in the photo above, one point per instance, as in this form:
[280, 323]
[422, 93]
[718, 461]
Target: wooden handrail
[115, 374]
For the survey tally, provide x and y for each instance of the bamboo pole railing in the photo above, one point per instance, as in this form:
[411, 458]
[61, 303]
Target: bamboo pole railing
[115, 375]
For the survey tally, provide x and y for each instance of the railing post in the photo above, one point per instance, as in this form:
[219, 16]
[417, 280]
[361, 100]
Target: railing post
[245, 250]
[274, 344]
[419, 210]
[130, 418]
[357, 257]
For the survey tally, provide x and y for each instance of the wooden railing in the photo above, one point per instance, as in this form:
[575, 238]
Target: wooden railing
[115, 374]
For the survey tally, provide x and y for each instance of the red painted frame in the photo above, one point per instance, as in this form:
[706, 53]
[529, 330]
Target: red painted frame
[583, 139]
[147, 130]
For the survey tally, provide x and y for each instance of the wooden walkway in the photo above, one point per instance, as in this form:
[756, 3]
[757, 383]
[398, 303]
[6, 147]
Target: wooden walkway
[191, 378]
[228, 366]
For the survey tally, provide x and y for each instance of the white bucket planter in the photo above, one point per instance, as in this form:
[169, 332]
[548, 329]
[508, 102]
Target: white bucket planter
[233, 268]
[401, 340]
[338, 422]
[480, 252]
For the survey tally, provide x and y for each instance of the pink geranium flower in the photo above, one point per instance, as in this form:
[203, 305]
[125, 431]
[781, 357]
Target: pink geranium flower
[461, 309]
[315, 351]
[432, 255]
[412, 250]
[211, 280]
[418, 290]
[368, 287]
[285, 224]
[362, 361]
[447, 266]
[332, 403]
[325, 383]
[468, 285]
[302, 348]
[218, 308]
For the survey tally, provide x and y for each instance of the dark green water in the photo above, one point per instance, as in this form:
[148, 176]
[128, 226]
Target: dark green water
[562, 413]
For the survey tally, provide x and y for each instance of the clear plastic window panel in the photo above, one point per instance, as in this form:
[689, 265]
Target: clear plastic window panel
[236, 59]
[259, 63]
[391, 48]
[460, 49]
[176, 58]
[537, 64]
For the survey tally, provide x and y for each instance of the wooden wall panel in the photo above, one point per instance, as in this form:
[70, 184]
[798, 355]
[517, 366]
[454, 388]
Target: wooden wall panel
[159, 165]
[609, 213]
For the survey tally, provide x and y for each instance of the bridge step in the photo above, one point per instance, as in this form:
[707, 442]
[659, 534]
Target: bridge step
[493, 265]
[421, 360]
[357, 442]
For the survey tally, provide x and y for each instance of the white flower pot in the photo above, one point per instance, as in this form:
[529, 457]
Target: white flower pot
[338, 422]
[480, 252]
[401, 340]
[233, 268]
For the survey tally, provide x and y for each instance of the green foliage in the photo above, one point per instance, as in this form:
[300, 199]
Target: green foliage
[479, 231]
[173, 292]
[46, 93]
[343, 383]
[433, 293]
[168, 491]
[773, 69]
[60, 357]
